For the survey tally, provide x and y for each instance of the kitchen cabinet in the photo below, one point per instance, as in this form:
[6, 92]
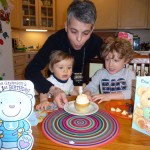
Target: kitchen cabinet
[113, 14]
[51, 14]
[33, 14]
[15, 15]
[61, 13]
[149, 15]
[132, 14]
[119, 14]
[38, 14]
[19, 60]
[107, 13]
[29, 56]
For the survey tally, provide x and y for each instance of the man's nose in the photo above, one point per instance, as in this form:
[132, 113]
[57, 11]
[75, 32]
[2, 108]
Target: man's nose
[79, 37]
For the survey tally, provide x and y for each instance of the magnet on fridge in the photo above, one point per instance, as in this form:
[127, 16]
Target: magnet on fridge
[1, 27]
[1, 42]
[5, 35]
[1, 52]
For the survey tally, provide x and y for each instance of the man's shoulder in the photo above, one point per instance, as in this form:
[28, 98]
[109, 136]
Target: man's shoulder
[58, 38]
[59, 34]
[95, 41]
[62, 31]
[96, 37]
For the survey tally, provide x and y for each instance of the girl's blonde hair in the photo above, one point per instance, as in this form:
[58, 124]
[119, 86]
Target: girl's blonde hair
[57, 56]
[122, 46]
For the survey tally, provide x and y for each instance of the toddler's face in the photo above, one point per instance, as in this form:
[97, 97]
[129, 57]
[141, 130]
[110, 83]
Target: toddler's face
[113, 63]
[63, 69]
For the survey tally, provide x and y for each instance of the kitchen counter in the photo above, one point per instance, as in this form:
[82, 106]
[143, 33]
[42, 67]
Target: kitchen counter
[18, 53]
[28, 54]
[20, 61]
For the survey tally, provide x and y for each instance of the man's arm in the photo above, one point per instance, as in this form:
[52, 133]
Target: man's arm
[39, 62]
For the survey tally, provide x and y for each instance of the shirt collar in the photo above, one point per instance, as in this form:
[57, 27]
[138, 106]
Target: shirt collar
[61, 81]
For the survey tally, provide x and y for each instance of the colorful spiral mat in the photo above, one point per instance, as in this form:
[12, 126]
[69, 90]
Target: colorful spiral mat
[80, 131]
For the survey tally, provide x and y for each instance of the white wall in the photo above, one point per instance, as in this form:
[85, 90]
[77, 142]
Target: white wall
[31, 38]
[35, 38]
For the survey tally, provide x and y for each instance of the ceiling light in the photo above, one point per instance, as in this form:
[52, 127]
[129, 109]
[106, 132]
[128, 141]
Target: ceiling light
[35, 30]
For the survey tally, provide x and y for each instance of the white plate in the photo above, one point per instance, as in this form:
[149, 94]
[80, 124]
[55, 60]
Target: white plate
[70, 108]
[143, 52]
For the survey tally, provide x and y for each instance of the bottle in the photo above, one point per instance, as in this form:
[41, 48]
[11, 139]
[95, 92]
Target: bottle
[136, 42]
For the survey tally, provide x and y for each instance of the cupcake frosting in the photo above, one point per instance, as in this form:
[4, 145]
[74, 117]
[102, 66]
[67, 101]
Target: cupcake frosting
[82, 99]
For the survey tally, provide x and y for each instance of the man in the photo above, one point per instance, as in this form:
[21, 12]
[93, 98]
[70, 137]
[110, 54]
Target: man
[77, 39]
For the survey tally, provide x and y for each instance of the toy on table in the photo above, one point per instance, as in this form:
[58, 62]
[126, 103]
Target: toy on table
[41, 114]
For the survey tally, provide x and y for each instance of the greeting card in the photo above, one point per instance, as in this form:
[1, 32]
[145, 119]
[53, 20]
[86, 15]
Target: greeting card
[16, 105]
[141, 115]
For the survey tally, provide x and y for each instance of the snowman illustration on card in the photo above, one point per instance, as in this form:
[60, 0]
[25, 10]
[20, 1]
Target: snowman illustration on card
[16, 105]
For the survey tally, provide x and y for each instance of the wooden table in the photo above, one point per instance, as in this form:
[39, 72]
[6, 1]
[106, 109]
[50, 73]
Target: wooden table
[128, 138]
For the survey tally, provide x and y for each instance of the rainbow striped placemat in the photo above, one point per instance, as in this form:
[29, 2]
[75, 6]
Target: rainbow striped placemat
[80, 131]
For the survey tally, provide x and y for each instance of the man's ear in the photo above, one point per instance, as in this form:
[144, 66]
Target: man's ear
[51, 69]
[92, 28]
[66, 26]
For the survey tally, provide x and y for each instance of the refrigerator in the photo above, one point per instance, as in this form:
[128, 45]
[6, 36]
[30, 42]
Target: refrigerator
[6, 51]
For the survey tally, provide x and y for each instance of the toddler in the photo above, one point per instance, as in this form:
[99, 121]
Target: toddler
[60, 65]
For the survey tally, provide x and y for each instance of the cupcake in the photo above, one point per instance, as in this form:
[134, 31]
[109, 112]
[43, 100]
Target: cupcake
[82, 103]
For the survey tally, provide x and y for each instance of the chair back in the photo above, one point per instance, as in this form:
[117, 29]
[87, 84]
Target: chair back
[140, 66]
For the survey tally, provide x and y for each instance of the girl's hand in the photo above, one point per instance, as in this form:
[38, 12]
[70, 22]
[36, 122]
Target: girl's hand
[108, 97]
[101, 97]
[43, 105]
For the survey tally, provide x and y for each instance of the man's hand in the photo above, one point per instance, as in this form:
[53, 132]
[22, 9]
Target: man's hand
[59, 96]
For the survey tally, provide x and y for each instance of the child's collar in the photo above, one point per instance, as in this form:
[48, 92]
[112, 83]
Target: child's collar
[61, 81]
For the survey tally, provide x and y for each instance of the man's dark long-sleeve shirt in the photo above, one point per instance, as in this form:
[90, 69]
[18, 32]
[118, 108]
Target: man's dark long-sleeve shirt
[59, 41]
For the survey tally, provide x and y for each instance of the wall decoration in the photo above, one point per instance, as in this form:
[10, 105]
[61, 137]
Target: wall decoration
[5, 35]
[5, 12]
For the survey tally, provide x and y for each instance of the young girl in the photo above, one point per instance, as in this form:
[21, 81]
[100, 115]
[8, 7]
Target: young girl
[114, 80]
[60, 65]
